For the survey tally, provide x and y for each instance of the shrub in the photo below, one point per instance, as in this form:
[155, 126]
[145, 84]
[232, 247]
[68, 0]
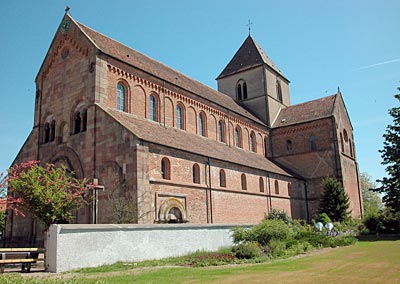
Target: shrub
[279, 215]
[268, 230]
[324, 218]
[240, 235]
[247, 250]
[276, 248]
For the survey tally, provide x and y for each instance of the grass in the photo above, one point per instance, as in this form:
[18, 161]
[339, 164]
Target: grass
[364, 262]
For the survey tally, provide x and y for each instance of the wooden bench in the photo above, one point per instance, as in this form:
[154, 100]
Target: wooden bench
[25, 256]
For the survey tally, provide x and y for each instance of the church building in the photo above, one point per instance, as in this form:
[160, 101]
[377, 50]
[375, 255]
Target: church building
[168, 149]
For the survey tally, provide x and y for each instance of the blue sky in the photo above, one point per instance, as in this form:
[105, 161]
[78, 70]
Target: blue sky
[318, 45]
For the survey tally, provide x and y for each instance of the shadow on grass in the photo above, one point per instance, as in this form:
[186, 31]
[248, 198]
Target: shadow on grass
[379, 237]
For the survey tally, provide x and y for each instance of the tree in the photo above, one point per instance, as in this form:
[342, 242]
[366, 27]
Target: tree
[372, 202]
[49, 193]
[334, 200]
[390, 186]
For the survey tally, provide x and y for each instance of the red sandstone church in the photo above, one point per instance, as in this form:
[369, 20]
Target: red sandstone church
[167, 148]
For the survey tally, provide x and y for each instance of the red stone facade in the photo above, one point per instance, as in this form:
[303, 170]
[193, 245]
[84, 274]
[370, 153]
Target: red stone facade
[110, 113]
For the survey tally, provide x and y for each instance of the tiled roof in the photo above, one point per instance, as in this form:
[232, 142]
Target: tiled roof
[179, 139]
[151, 66]
[304, 112]
[249, 55]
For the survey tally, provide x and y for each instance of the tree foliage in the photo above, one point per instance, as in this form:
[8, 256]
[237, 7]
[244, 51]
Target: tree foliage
[390, 186]
[49, 193]
[372, 202]
[334, 200]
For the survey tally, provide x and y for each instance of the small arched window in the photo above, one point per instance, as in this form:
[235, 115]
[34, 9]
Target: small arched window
[276, 187]
[289, 145]
[196, 173]
[239, 92]
[279, 90]
[121, 97]
[165, 168]
[52, 130]
[222, 178]
[221, 131]
[153, 108]
[313, 143]
[77, 122]
[46, 137]
[84, 120]
[243, 182]
[179, 117]
[238, 137]
[202, 125]
[261, 183]
[253, 142]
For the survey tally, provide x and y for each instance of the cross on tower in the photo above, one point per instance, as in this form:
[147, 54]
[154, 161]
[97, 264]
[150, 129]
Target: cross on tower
[249, 25]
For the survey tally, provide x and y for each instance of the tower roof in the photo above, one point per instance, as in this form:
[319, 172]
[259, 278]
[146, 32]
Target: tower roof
[249, 55]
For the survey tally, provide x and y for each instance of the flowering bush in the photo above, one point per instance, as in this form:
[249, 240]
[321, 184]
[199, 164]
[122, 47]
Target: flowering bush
[49, 193]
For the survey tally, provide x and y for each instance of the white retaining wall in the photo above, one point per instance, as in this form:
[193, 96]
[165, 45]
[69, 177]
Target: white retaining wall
[74, 246]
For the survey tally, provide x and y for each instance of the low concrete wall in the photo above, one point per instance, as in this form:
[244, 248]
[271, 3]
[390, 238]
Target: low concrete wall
[75, 246]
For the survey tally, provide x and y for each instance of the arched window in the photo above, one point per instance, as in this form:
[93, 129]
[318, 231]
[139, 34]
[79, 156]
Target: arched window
[244, 182]
[261, 183]
[196, 173]
[77, 122]
[279, 90]
[153, 108]
[238, 137]
[222, 178]
[289, 145]
[179, 117]
[121, 97]
[221, 131]
[46, 137]
[202, 125]
[84, 120]
[52, 130]
[253, 142]
[239, 92]
[313, 143]
[165, 168]
[244, 90]
[276, 187]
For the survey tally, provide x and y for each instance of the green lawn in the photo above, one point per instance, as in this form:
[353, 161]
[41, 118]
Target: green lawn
[365, 262]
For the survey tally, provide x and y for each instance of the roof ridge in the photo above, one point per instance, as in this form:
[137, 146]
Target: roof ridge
[314, 100]
[177, 74]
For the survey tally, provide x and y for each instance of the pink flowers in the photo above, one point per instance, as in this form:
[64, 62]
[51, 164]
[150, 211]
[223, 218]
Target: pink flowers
[49, 193]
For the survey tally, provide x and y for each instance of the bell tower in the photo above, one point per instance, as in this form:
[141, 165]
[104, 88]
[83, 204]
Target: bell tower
[255, 82]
